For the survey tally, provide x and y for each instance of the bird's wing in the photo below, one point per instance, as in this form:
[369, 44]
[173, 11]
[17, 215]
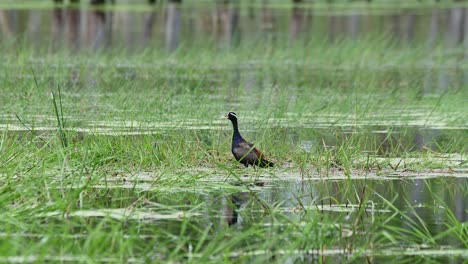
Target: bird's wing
[251, 147]
[247, 153]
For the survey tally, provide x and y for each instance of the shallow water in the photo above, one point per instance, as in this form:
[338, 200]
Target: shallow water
[169, 25]
[399, 202]
[423, 191]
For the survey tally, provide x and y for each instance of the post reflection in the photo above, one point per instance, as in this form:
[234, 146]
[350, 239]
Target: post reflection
[57, 27]
[268, 23]
[173, 25]
[100, 29]
[297, 22]
[73, 28]
[148, 26]
[229, 20]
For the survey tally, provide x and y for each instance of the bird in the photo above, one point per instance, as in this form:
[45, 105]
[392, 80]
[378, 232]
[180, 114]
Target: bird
[245, 152]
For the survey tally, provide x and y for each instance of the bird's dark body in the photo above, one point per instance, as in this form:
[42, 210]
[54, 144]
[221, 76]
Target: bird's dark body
[245, 152]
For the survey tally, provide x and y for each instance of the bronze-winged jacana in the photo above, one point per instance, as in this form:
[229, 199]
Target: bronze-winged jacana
[245, 152]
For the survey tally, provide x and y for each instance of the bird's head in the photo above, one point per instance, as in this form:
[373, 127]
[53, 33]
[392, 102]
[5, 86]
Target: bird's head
[231, 116]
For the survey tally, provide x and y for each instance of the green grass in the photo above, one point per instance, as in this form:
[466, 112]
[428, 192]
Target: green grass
[143, 133]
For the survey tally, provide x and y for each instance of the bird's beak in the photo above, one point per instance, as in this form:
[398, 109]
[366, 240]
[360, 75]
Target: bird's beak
[226, 116]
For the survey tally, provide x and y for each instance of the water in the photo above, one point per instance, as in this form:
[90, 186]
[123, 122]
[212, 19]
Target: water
[412, 197]
[227, 25]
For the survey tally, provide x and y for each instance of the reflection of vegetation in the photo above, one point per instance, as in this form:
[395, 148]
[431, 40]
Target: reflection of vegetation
[355, 108]
[297, 226]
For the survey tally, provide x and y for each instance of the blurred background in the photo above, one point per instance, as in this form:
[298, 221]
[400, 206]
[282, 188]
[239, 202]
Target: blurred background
[140, 24]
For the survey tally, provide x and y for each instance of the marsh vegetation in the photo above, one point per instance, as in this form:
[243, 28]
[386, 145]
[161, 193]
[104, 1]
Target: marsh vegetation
[114, 146]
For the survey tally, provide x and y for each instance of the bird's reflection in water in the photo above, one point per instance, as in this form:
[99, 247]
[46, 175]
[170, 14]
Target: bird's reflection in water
[234, 203]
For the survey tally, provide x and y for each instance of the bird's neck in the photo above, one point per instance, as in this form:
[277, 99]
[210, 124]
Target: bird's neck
[236, 136]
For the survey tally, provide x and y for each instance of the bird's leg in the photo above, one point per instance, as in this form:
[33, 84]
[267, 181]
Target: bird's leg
[246, 165]
[256, 173]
